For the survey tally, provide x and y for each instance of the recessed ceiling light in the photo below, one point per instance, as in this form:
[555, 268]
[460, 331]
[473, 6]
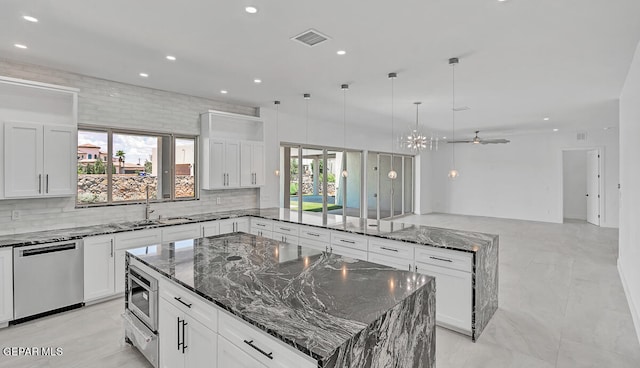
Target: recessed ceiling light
[20, 46]
[251, 9]
[341, 52]
[30, 18]
[224, 91]
[144, 75]
[172, 58]
[257, 81]
[546, 119]
[555, 130]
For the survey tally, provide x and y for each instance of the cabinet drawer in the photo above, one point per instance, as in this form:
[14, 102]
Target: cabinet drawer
[262, 233]
[211, 228]
[349, 240]
[315, 234]
[286, 229]
[391, 248]
[399, 263]
[286, 238]
[189, 303]
[138, 238]
[261, 224]
[315, 244]
[444, 258]
[349, 252]
[180, 232]
[261, 346]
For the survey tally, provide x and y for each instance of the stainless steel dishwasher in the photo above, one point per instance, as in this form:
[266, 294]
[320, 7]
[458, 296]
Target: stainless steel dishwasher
[47, 277]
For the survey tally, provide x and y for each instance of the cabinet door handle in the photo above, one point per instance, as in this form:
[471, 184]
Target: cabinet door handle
[47, 183]
[250, 343]
[441, 259]
[111, 248]
[313, 234]
[178, 333]
[188, 305]
[285, 229]
[263, 225]
[39, 183]
[347, 241]
[389, 249]
[184, 346]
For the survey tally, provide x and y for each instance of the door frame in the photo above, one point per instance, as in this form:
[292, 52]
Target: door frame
[601, 182]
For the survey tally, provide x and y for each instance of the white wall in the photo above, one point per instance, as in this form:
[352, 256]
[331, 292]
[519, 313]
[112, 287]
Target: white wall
[629, 243]
[575, 184]
[521, 179]
[112, 104]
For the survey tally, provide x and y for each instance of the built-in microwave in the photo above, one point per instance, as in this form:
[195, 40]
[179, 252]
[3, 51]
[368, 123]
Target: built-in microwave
[143, 297]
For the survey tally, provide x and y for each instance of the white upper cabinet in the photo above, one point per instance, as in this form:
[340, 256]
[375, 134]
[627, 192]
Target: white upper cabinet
[39, 139]
[231, 151]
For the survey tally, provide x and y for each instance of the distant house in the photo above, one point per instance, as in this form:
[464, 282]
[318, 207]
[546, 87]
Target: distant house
[89, 153]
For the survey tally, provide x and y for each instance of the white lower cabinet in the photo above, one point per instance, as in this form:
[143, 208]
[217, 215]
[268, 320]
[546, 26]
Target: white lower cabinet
[234, 225]
[262, 233]
[401, 264]
[99, 267]
[453, 296]
[130, 240]
[349, 245]
[6, 284]
[230, 355]
[184, 341]
[211, 228]
[181, 232]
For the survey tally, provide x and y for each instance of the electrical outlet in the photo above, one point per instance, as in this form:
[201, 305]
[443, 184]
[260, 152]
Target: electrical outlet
[15, 215]
[218, 200]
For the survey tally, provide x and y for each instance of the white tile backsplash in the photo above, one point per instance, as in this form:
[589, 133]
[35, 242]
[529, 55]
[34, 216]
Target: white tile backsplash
[107, 103]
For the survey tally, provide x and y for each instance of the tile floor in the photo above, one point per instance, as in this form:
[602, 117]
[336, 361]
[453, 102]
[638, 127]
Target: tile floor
[561, 305]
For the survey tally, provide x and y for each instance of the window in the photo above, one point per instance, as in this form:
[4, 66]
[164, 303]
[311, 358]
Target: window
[130, 166]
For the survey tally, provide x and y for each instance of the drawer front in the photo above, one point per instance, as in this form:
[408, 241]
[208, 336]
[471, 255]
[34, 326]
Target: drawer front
[181, 232]
[444, 258]
[190, 304]
[139, 238]
[315, 234]
[349, 240]
[391, 248]
[286, 238]
[261, 224]
[315, 244]
[262, 233]
[286, 229]
[399, 263]
[261, 346]
[349, 252]
[210, 228]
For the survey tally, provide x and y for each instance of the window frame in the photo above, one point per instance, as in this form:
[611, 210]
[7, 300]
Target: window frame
[109, 165]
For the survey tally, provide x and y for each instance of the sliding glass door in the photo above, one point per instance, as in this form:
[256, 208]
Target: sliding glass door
[387, 198]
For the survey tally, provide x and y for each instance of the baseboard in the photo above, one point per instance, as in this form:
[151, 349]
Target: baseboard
[634, 312]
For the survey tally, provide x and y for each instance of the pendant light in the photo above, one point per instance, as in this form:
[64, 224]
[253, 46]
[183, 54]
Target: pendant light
[453, 173]
[345, 88]
[392, 173]
[415, 140]
[276, 172]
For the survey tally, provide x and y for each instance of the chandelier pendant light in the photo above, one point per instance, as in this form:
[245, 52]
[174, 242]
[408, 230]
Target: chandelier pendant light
[276, 172]
[345, 88]
[453, 173]
[392, 173]
[415, 140]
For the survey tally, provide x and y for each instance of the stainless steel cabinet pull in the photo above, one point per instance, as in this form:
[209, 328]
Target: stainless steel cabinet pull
[39, 183]
[285, 229]
[313, 234]
[178, 332]
[47, 183]
[389, 249]
[181, 301]
[441, 259]
[263, 225]
[347, 241]
[111, 248]
[184, 346]
[250, 343]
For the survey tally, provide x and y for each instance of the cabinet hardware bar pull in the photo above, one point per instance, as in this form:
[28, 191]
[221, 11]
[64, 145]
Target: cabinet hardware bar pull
[313, 234]
[389, 249]
[441, 259]
[111, 248]
[347, 241]
[178, 333]
[263, 225]
[184, 346]
[250, 343]
[180, 300]
[39, 183]
[47, 183]
[285, 229]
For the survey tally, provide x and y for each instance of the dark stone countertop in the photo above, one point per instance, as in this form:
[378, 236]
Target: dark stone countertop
[416, 234]
[332, 308]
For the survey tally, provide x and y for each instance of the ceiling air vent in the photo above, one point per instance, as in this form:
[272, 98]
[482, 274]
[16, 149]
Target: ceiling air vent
[581, 136]
[310, 37]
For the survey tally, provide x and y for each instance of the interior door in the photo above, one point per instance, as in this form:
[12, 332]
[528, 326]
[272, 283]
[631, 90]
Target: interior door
[593, 187]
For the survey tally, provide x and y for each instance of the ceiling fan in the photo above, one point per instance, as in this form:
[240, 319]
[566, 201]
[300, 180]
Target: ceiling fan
[478, 140]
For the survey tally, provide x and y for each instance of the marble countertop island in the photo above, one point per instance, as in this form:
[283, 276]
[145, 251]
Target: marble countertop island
[339, 311]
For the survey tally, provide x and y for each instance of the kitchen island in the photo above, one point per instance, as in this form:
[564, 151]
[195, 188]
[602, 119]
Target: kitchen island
[316, 309]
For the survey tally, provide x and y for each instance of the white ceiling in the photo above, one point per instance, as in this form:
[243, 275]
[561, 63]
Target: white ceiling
[520, 60]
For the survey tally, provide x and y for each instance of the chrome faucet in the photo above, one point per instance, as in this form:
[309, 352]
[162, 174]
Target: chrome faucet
[147, 208]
